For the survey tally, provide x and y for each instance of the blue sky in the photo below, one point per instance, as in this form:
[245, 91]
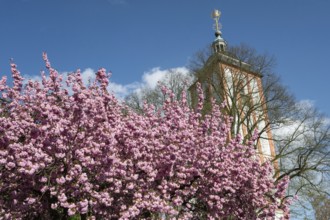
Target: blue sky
[134, 37]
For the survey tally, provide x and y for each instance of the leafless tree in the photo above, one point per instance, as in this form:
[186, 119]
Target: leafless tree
[321, 206]
[175, 81]
[300, 133]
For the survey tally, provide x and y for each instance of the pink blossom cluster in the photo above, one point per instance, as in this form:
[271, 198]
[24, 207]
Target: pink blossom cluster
[85, 153]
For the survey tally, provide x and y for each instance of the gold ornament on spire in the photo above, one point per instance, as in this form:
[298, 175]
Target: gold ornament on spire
[216, 16]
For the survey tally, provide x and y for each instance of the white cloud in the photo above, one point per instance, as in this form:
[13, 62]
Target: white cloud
[306, 104]
[152, 77]
[155, 75]
[327, 121]
[149, 79]
[119, 90]
[300, 123]
[288, 128]
[87, 75]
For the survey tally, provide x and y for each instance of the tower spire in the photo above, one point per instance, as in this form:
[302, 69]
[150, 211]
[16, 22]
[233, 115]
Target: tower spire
[219, 44]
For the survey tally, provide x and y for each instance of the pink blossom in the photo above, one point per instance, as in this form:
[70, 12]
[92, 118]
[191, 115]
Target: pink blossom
[60, 180]
[10, 165]
[54, 205]
[86, 152]
[30, 201]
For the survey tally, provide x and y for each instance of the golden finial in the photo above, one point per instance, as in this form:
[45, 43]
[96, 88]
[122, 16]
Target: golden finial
[216, 15]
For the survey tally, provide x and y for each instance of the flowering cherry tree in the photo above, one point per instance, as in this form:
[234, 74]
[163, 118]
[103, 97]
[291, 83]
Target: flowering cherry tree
[83, 153]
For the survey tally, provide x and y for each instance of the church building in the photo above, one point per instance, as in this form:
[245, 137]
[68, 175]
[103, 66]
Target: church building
[233, 82]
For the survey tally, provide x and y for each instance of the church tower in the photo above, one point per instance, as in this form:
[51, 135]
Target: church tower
[235, 83]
